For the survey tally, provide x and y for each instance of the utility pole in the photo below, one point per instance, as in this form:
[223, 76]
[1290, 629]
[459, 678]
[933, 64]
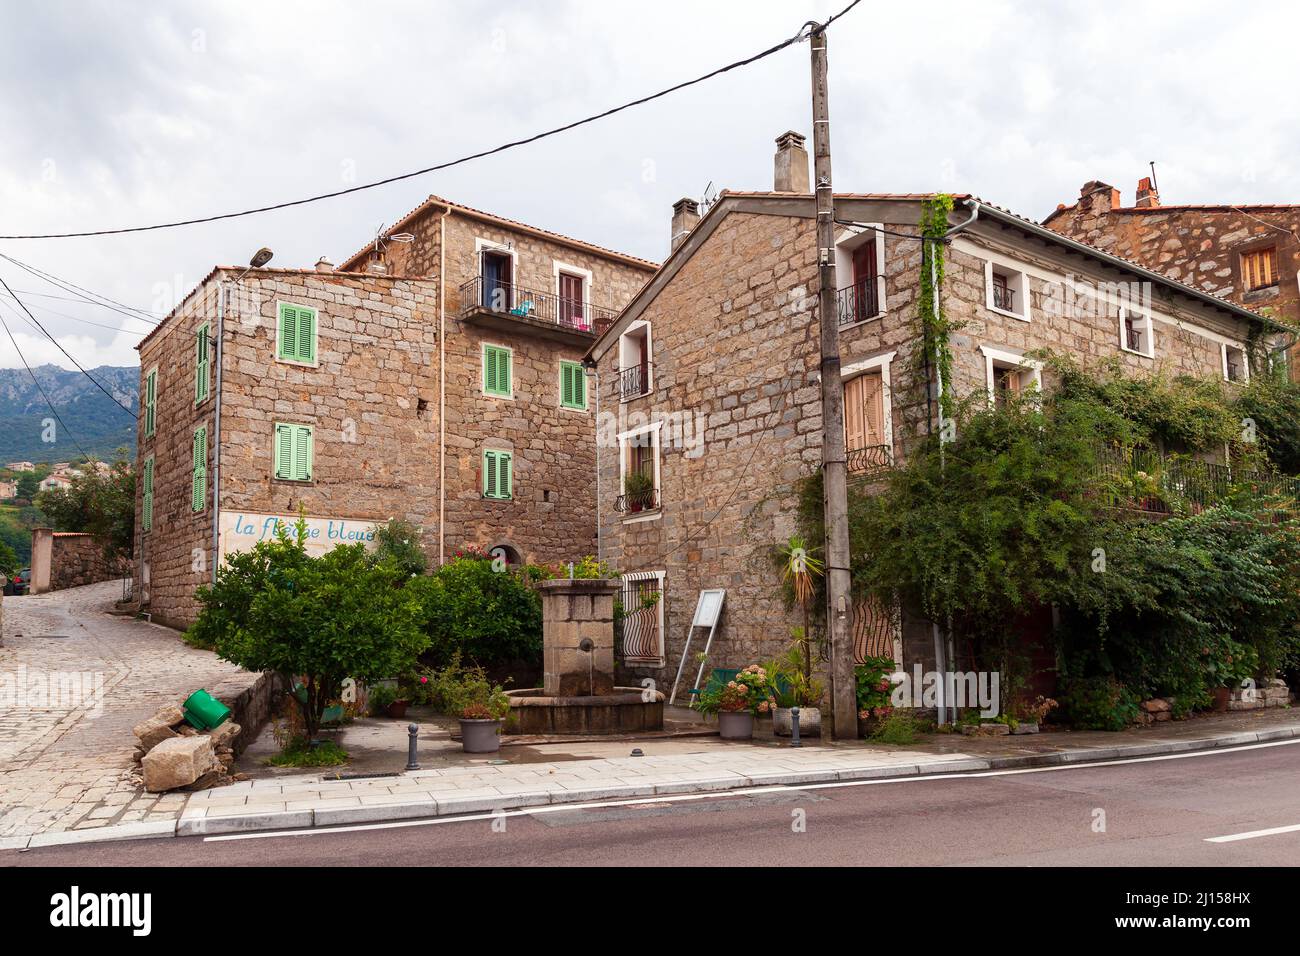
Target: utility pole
[835, 501]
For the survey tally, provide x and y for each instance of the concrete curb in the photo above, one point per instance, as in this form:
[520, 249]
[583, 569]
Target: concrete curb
[197, 822]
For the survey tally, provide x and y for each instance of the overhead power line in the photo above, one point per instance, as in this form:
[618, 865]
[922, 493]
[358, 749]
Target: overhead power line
[802, 34]
[41, 389]
[75, 318]
[63, 350]
[66, 285]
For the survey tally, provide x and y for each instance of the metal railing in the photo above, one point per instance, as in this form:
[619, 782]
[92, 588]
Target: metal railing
[1150, 482]
[1133, 339]
[868, 461]
[638, 501]
[634, 381]
[637, 635]
[507, 298]
[1004, 298]
[858, 302]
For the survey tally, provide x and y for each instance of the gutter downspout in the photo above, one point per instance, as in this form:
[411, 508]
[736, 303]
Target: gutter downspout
[216, 434]
[442, 384]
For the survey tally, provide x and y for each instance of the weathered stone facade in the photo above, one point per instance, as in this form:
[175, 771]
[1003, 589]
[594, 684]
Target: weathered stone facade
[394, 349]
[732, 318]
[1202, 245]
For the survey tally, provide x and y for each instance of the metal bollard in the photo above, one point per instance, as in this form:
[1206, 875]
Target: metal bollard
[794, 727]
[412, 730]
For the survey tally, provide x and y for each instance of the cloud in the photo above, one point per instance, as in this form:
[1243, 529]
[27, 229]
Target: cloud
[129, 113]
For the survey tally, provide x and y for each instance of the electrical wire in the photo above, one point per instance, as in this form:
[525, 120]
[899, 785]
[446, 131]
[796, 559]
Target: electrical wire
[41, 388]
[803, 34]
[63, 350]
[77, 318]
[69, 286]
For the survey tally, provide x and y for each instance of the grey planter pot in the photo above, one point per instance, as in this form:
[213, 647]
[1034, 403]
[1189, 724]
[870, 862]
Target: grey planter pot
[735, 726]
[810, 722]
[480, 736]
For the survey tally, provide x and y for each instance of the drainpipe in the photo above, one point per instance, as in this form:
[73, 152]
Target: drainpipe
[216, 432]
[593, 370]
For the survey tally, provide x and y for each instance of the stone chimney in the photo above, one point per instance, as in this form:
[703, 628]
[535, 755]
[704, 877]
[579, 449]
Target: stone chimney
[1098, 197]
[324, 265]
[791, 167]
[1147, 197]
[686, 213]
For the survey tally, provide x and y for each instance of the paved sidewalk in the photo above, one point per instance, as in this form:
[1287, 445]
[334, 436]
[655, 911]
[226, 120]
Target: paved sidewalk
[670, 767]
[65, 765]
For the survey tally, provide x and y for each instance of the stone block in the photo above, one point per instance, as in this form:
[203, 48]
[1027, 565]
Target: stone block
[177, 762]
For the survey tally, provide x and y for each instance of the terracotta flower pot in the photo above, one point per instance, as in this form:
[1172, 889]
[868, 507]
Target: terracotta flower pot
[480, 736]
[736, 726]
[397, 708]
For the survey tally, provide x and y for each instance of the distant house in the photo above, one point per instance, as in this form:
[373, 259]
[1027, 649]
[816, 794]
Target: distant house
[21, 466]
[8, 489]
[56, 480]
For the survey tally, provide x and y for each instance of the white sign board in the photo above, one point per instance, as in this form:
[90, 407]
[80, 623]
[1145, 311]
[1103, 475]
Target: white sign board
[240, 530]
[708, 608]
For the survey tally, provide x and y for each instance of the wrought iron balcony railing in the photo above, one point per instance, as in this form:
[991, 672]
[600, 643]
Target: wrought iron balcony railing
[506, 298]
[1133, 339]
[869, 460]
[634, 382]
[858, 302]
[638, 501]
[1004, 298]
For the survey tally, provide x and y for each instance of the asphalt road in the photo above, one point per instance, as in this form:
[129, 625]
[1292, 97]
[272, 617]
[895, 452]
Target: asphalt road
[1141, 813]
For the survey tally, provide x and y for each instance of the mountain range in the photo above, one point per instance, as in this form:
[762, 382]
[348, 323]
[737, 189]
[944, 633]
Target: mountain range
[92, 423]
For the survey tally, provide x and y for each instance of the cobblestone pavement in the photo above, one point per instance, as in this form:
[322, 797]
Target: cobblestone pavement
[65, 763]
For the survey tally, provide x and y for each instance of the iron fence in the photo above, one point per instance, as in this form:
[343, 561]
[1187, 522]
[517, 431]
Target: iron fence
[507, 298]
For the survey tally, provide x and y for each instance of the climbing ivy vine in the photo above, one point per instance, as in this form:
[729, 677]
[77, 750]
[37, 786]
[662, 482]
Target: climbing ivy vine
[935, 326]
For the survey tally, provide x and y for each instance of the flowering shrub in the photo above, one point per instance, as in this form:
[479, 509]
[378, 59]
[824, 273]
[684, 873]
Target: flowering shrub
[873, 687]
[750, 690]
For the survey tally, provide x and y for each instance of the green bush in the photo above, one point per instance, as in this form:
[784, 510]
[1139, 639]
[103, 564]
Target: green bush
[320, 619]
[470, 609]
[1099, 703]
[398, 542]
[898, 728]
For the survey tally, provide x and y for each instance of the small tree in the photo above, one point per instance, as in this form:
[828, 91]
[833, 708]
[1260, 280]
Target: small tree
[275, 608]
[97, 502]
[799, 571]
[398, 541]
[487, 612]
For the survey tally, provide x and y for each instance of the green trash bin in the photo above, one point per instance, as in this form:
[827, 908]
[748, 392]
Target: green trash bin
[204, 712]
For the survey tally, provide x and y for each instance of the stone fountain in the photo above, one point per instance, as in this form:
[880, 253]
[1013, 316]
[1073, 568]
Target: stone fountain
[578, 695]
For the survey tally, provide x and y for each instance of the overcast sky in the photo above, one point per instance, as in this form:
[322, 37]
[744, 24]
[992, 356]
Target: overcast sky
[116, 114]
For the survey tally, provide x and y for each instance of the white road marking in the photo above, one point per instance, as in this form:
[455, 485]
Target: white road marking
[749, 791]
[1252, 834]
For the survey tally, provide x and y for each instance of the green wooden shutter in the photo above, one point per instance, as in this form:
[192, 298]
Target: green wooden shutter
[288, 341]
[498, 477]
[306, 335]
[201, 364]
[150, 402]
[284, 451]
[302, 453]
[199, 484]
[489, 474]
[505, 475]
[573, 386]
[146, 481]
[496, 371]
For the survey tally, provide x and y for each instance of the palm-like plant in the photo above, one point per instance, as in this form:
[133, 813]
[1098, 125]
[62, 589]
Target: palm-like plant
[800, 569]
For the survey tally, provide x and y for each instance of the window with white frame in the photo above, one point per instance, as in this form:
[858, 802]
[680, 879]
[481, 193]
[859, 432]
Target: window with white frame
[1235, 368]
[860, 257]
[1008, 375]
[641, 640]
[868, 418]
[635, 362]
[573, 291]
[1006, 290]
[638, 477]
[1136, 332]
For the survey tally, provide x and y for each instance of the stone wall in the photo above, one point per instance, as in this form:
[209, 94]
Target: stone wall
[73, 560]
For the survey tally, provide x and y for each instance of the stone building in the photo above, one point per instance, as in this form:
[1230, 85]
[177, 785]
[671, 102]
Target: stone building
[711, 374]
[1248, 254]
[435, 377]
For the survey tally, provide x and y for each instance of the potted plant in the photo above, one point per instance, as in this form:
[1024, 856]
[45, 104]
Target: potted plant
[793, 687]
[737, 701]
[481, 707]
[638, 490]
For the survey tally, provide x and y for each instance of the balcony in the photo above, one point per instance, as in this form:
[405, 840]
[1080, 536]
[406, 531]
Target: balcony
[634, 382]
[647, 500]
[512, 308]
[868, 462]
[858, 302]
